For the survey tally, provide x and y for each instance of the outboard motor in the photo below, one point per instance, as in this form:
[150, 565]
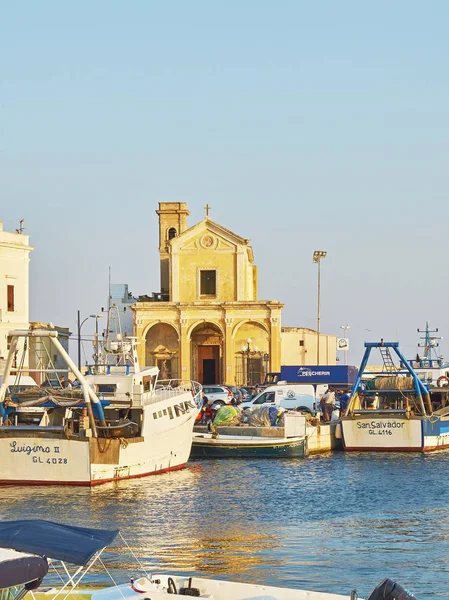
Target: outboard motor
[390, 590]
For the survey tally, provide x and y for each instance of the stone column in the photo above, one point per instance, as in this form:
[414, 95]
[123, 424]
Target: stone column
[275, 343]
[184, 344]
[139, 322]
[229, 359]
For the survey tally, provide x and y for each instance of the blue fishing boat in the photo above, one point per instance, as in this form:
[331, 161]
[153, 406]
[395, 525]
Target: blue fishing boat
[393, 410]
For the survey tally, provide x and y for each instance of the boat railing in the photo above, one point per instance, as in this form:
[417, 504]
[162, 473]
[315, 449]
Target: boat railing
[376, 411]
[170, 388]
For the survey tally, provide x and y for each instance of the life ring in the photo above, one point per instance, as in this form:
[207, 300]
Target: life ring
[442, 381]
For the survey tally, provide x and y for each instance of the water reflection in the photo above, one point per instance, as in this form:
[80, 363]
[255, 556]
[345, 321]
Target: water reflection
[326, 523]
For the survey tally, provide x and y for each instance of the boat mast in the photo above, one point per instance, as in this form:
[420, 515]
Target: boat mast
[430, 343]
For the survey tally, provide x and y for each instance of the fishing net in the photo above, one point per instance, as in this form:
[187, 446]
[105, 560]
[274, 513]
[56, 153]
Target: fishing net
[36, 396]
[394, 382]
[227, 415]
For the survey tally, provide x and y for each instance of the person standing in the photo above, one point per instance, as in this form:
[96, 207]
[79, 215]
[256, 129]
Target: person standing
[329, 403]
[344, 401]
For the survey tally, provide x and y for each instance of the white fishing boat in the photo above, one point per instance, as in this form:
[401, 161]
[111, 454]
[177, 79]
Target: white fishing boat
[120, 423]
[77, 549]
[393, 410]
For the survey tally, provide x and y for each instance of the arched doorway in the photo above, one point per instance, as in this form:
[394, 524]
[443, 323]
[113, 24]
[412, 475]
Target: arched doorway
[251, 343]
[207, 353]
[162, 350]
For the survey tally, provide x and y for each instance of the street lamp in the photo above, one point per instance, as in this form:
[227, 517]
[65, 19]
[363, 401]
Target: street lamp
[317, 256]
[266, 358]
[80, 324]
[345, 327]
[246, 351]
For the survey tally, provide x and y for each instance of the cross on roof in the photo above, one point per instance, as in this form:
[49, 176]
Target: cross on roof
[207, 209]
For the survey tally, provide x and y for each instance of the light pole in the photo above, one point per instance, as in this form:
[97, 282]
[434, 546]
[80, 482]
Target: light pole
[317, 256]
[345, 327]
[80, 324]
[266, 358]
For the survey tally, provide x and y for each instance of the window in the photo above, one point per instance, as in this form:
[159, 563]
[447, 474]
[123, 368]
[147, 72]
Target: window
[106, 388]
[208, 283]
[10, 298]
[172, 233]
[267, 397]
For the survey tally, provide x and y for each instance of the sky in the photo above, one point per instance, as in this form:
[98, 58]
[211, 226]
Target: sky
[305, 125]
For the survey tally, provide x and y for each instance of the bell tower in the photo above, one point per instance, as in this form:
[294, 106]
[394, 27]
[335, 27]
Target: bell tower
[172, 223]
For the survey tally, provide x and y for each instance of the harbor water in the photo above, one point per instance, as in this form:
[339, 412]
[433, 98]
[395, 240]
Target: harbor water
[330, 523]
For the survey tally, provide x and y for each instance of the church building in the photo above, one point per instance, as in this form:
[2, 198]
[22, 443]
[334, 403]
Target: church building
[207, 323]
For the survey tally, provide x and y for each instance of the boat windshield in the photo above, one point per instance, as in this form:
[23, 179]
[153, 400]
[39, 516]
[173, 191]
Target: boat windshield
[10, 593]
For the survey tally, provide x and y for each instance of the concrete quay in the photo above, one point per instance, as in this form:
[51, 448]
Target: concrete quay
[321, 438]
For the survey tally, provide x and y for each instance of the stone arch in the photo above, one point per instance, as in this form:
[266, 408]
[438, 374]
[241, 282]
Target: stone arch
[201, 322]
[207, 352]
[255, 321]
[251, 358]
[162, 349]
[151, 325]
[172, 233]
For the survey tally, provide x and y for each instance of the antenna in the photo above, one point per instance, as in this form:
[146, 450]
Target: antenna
[430, 341]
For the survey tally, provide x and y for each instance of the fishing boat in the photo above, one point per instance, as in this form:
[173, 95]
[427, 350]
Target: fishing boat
[289, 441]
[121, 422]
[75, 550]
[393, 410]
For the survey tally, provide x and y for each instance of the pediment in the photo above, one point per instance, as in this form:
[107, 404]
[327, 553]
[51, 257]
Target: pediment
[208, 235]
[206, 241]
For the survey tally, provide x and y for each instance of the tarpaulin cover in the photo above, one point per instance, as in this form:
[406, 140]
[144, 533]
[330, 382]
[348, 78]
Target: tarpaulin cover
[18, 569]
[75, 545]
[227, 415]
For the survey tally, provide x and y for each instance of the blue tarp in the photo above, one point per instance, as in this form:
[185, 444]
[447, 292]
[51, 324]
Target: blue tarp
[75, 545]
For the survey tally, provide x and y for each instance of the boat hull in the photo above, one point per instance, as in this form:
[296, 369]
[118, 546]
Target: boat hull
[161, 583]
[382, 433]
[242, 447]
[37, 457]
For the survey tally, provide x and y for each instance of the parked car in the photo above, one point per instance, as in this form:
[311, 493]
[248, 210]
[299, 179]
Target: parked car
[247, 393]
[236, 392]
[296, 397]
[217, 394]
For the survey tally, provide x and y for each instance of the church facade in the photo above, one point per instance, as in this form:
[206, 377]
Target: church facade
[207, 323]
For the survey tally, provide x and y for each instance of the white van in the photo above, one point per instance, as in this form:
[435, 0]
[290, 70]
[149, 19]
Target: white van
[293, 397]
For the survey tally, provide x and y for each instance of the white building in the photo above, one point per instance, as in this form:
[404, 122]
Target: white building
[14, 285]
[299, 347]
[123, 300]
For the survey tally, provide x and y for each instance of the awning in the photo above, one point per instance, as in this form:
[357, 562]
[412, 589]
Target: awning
[75, 545]
[17, 568]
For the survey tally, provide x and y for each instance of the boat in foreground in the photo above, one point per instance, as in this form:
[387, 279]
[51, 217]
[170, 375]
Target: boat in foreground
[393, 410]
[249, 443]
[77, 549]
[20, 573]
[121, 422]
